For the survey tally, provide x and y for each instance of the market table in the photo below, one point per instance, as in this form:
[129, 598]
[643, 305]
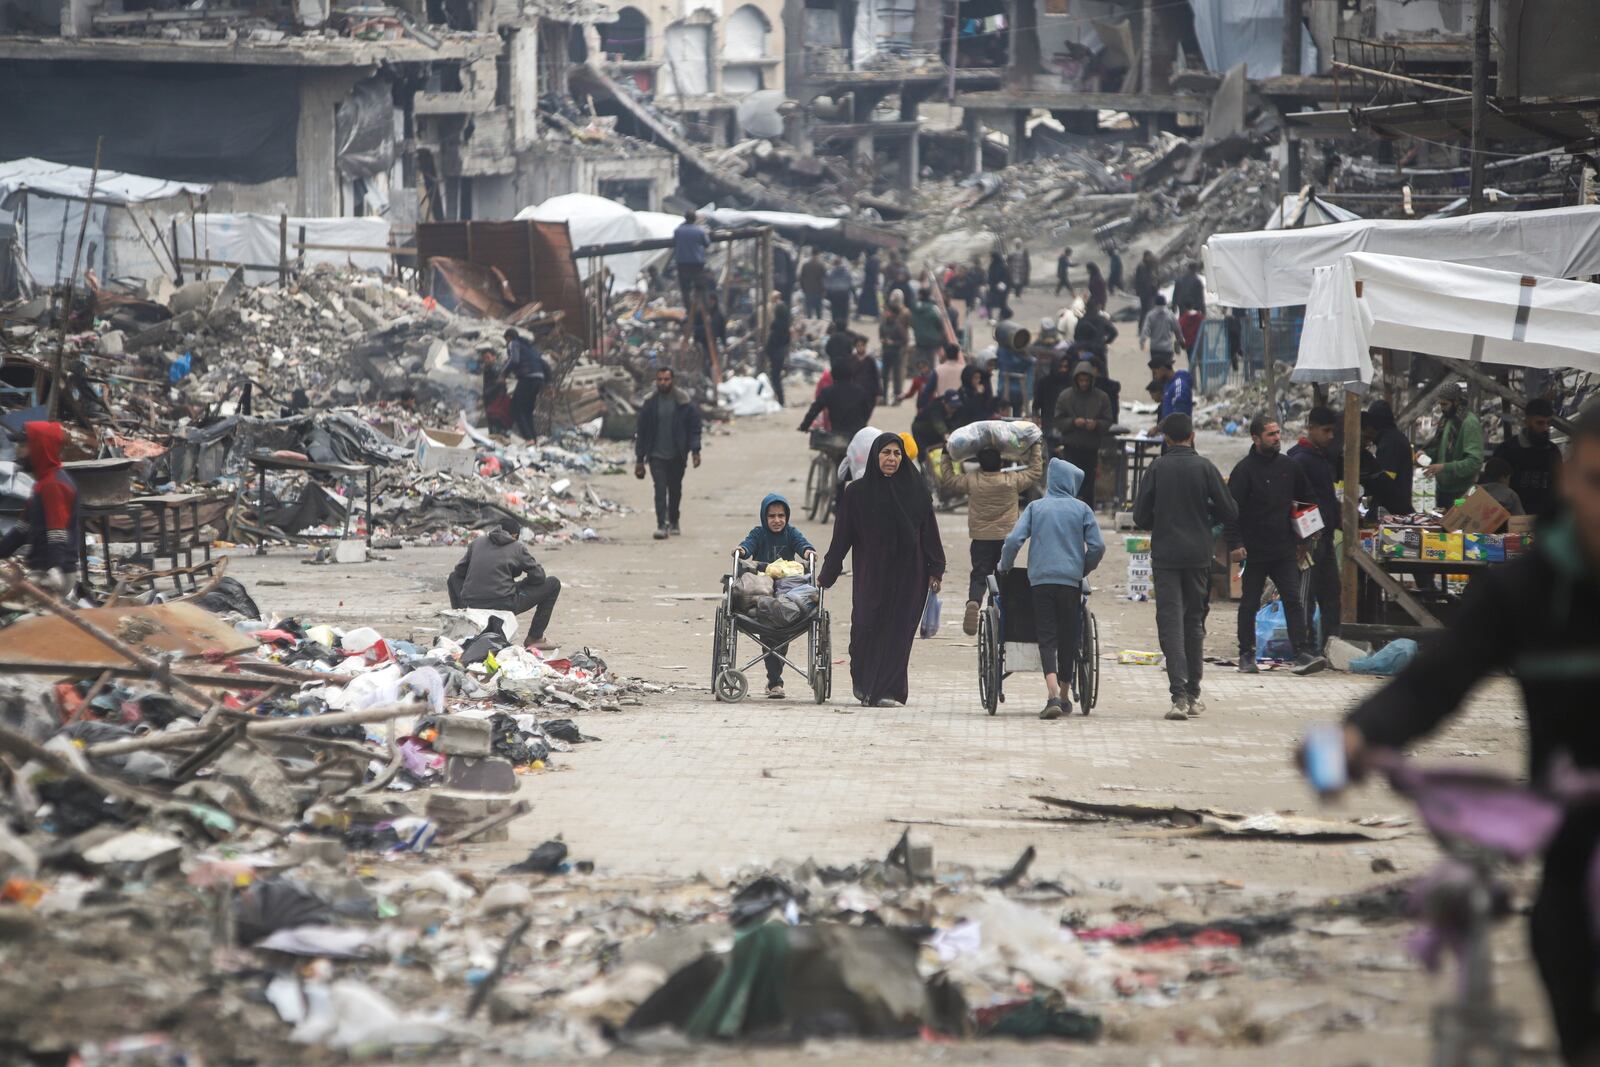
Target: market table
[265, 461]
[1137, 453]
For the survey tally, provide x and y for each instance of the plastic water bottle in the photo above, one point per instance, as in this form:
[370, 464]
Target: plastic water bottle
[1325, 758]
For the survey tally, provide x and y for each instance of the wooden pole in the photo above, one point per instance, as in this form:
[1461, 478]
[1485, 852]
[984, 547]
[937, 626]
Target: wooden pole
[1292, 13]
[57, 367]
[177, 257]
[283, 249]
[1480, 101]
[256, 728]
[1350, 519]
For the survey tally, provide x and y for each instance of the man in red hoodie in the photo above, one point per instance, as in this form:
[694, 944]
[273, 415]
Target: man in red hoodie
[49, 525]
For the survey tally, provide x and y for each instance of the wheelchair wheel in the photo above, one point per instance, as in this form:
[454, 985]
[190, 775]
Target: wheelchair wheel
[732, 686]
[822, 662]
[1086, 673]
[989, 658]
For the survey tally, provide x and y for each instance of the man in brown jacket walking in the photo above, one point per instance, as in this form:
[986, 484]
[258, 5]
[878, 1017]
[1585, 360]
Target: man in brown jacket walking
[1083, 417]
[991, 513]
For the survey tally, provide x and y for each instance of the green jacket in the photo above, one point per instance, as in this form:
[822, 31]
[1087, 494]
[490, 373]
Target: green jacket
[1459, 447]
[927, 325]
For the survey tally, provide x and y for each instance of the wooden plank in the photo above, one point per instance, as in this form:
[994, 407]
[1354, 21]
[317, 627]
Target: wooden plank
[1350, 519]
[1386, 581]
[1066, 100]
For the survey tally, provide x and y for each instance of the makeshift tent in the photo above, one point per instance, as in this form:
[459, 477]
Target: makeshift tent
[594, 220]
[257, 239]
[1307, 210]
[1442, 309]
[1273, 268]
[45, 202]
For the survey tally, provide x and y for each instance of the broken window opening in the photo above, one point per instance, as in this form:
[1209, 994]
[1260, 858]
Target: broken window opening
[626, 40]
[633, 193]
[688, 61]
[983, 36]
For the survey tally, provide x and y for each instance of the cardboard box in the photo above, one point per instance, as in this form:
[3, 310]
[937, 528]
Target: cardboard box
[1517, 545]
[1478, 512]
[1476, 546]
[1400, 542]
[446, 450]
[1520, 524]
[1137, 543]
[1307, 521]
[1443, 547]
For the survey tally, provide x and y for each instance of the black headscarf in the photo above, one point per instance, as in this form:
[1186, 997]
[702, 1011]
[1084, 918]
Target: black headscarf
[896, 507]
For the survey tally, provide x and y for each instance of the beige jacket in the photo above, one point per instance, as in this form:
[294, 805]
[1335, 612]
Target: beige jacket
[991, 498]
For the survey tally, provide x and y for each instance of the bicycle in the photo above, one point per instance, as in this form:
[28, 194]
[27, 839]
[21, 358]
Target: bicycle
[822, 480]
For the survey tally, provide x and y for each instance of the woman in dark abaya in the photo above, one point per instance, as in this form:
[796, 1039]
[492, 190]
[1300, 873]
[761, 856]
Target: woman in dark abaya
[886, 519]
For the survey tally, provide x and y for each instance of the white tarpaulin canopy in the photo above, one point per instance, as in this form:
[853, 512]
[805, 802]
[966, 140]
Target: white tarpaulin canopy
[1273, 268]
[242, 237]
[1306, 211]
[594, 220]
[1442, 309]
[113, 187]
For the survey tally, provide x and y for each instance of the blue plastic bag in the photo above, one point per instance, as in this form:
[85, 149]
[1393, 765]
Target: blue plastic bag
[1272, 633]
[930, 615]
[1390, 659]
[178, 370]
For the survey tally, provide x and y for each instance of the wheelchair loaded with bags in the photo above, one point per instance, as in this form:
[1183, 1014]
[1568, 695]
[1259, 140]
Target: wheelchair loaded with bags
[729, 681]
[1007, 642]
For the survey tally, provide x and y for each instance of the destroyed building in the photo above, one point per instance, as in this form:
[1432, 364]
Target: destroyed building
[421, 111]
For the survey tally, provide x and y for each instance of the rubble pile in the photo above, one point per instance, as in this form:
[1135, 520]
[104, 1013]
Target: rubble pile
[221, 941]
[1111, 190]
[340, 367]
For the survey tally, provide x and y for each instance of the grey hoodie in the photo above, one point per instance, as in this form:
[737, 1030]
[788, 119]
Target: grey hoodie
[1066, 540]
[1074, 403]
[1181, 498]
[489, 571]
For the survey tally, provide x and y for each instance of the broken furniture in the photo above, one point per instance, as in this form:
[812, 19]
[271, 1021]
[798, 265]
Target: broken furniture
[264, 462]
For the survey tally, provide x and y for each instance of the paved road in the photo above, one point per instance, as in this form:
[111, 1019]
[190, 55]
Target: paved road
[686, 785]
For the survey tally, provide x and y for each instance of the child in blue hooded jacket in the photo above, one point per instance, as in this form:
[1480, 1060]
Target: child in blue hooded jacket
[1064, 545]
[770, 540]
[773, 538]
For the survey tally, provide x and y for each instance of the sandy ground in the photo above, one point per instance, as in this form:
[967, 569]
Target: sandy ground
[686, 785]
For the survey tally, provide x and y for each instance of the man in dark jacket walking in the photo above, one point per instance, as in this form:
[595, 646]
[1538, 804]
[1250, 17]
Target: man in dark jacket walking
[1537, 617]
[668, 436]
[1388, 477]
[1145, 285]
[1181, 499]
[1083, 415]
[498, 573]
[1265, 485]
[779, 335]
[1317, 457]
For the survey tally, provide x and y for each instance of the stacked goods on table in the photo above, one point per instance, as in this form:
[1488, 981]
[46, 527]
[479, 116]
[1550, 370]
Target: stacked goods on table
[1476, 529]
[1140, 578]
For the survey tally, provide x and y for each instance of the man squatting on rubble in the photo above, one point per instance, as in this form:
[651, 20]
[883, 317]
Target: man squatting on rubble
[498, 573]
[992, 510]
[1537, 616]
[49, 525]
[1181, 499]
[768, 541]
[668, 436]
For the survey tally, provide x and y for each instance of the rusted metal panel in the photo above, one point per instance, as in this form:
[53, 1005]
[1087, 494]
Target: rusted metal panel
[186, 629]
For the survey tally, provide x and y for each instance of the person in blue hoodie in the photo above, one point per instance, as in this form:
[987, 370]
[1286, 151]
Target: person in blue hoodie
[1066, 546]
[770, 540]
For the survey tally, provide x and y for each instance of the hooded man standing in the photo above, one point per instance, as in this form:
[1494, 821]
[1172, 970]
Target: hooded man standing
[1181, 498]
[498, 573]
[50, 524]
[668, 435]
[1083, 415]
[1388, 480]
[1066, 546]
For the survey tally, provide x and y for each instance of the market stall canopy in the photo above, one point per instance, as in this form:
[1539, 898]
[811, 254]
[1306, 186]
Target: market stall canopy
[594, 220]
[1450, 310]
[1273, 268]
[44, 178]
[1307, 210]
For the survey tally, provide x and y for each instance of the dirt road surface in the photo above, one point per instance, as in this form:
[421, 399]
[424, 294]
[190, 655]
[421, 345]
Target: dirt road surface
[686, 785]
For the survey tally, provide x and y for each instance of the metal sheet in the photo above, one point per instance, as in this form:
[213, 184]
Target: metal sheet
[188, 630]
